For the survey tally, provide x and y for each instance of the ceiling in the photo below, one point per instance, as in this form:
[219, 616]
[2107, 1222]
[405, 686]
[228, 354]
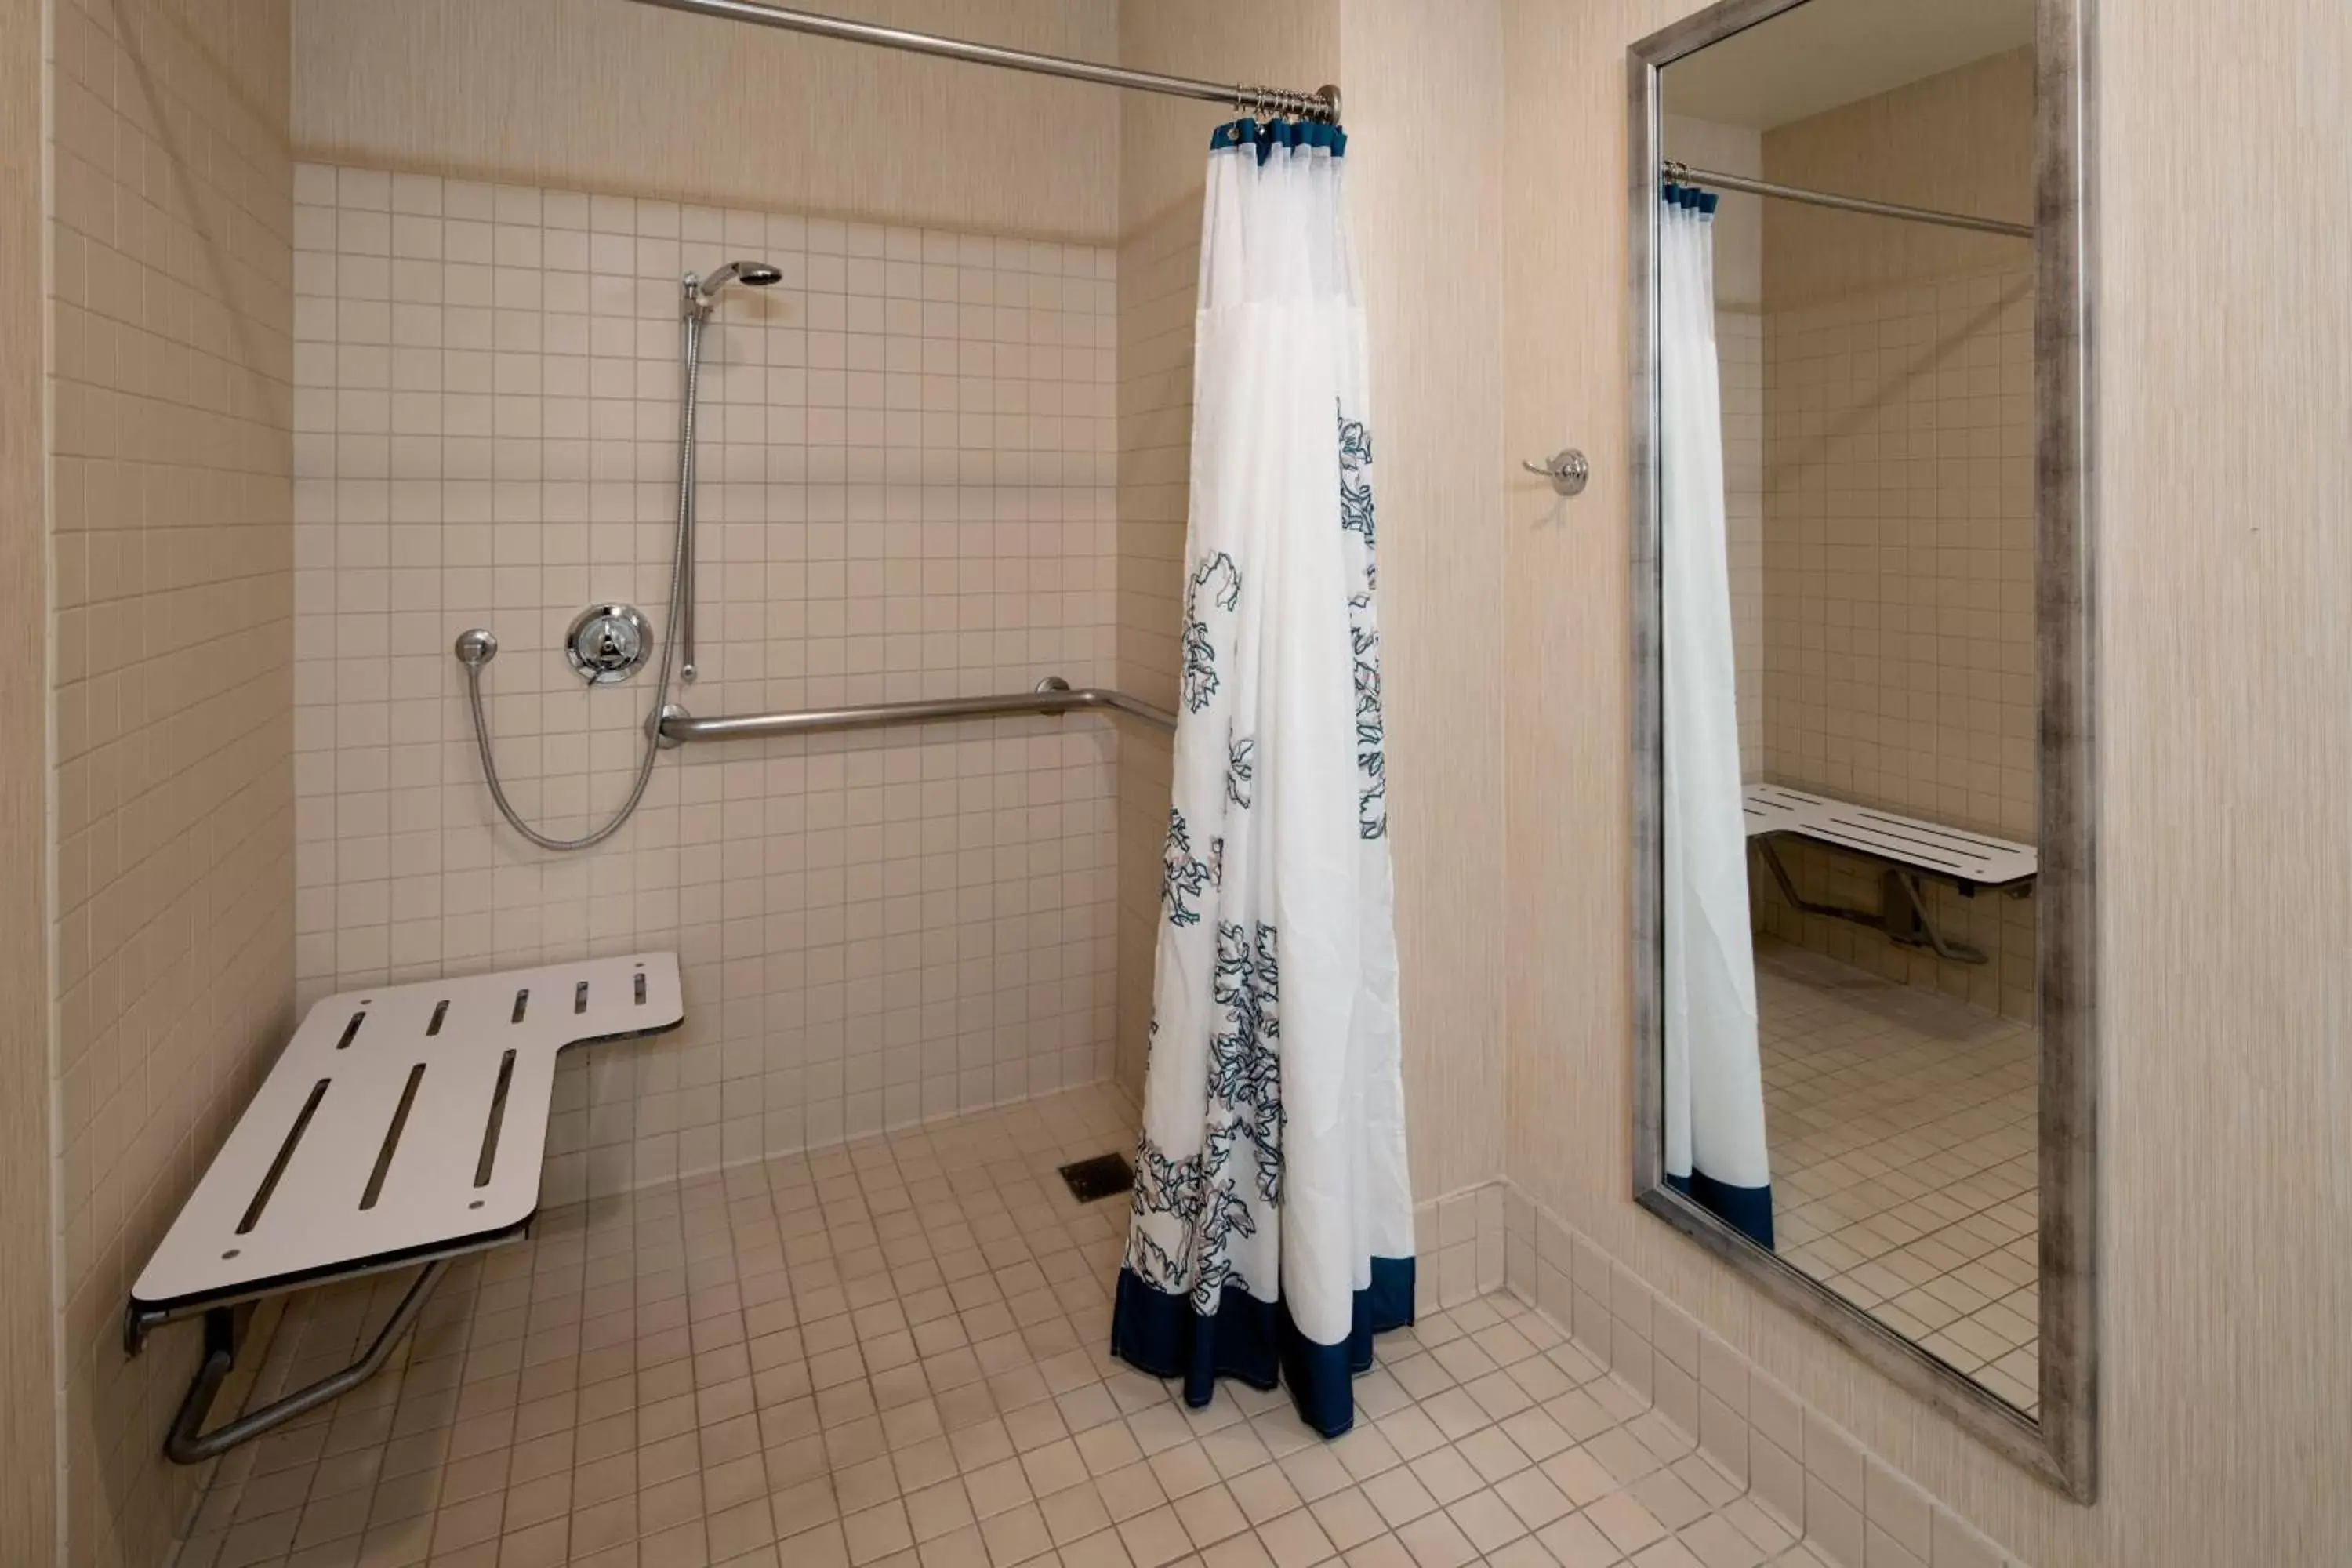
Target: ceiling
[1828, 52]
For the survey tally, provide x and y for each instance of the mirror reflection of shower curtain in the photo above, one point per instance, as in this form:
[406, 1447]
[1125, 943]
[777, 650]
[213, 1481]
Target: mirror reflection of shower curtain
[1713, 1077]
[1271, 1233]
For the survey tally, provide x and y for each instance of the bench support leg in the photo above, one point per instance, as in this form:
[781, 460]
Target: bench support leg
[188, 1443]
[1908, 921]
[1902, 915]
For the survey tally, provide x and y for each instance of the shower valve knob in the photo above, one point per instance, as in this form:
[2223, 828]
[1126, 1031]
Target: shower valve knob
[607, 643]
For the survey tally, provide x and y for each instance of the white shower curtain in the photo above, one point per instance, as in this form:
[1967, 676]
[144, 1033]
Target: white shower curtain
[1714, 1080]
[1273, 1220]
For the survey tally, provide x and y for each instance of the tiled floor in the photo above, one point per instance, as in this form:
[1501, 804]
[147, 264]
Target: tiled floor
[1902, 1129]
[894, 1354]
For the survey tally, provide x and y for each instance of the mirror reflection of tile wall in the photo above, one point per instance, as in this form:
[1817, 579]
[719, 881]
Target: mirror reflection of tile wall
[1898, 664]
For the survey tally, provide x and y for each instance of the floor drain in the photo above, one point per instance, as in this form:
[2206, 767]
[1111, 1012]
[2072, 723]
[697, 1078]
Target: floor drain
[1100, 1177]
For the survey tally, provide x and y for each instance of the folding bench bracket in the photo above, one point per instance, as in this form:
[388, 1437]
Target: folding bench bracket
[1902, 913]
[188, 1443]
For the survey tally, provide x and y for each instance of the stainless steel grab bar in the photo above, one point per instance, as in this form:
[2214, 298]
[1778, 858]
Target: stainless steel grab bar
[1053, 695]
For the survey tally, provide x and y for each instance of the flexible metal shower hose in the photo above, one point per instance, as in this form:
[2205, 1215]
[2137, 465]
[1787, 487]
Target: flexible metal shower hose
[677, 590]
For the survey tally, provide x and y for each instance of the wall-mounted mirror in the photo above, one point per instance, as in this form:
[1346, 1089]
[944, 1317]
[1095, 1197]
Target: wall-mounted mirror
[1861, 590]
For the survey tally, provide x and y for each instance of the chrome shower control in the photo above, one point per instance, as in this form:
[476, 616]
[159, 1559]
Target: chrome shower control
[607, 643]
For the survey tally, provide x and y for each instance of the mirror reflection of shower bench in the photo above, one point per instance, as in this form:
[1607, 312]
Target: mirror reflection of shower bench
[1907, 847]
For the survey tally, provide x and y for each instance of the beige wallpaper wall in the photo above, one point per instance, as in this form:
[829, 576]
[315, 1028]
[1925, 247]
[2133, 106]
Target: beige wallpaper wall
[171, 584]
[1429, 198]
[2225, 1387]
[1898, 510]
[2224, 396]
[603, 96]
[1427, 206]
[29, 1382]
[904, 486]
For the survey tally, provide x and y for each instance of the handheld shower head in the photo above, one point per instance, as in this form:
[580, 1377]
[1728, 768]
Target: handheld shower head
[758, 274]
[702, 294]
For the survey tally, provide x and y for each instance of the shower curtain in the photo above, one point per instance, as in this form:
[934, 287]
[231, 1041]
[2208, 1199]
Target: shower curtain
[1713, 1078]
[1272, 1231]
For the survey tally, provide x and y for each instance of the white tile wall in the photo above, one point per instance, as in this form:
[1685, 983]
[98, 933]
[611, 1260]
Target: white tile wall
[907, 491]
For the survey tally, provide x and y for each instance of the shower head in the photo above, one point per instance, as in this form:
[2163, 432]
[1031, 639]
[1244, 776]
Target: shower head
[758, 274]
[702, 294]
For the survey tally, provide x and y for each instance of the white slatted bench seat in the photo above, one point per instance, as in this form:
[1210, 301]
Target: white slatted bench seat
[402, 1125]
[1907, 847]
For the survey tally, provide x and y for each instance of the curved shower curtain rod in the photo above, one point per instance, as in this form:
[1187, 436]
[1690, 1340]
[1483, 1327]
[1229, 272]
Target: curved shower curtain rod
[1321, 104]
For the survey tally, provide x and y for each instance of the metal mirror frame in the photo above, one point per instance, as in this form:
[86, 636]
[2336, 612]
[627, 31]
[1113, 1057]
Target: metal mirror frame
[2060, 1445]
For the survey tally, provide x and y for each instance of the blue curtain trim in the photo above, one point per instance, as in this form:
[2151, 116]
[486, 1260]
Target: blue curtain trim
[1748, 1210]
[1704, 203]
[1256, 1342]
[1269, 135]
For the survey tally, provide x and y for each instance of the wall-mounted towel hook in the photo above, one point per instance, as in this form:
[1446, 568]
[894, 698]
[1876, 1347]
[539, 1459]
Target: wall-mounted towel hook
[1566, 469]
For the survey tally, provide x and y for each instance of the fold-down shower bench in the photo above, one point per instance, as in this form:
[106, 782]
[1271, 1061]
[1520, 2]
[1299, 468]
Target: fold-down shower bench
[1905, 846]
[402, 1125]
